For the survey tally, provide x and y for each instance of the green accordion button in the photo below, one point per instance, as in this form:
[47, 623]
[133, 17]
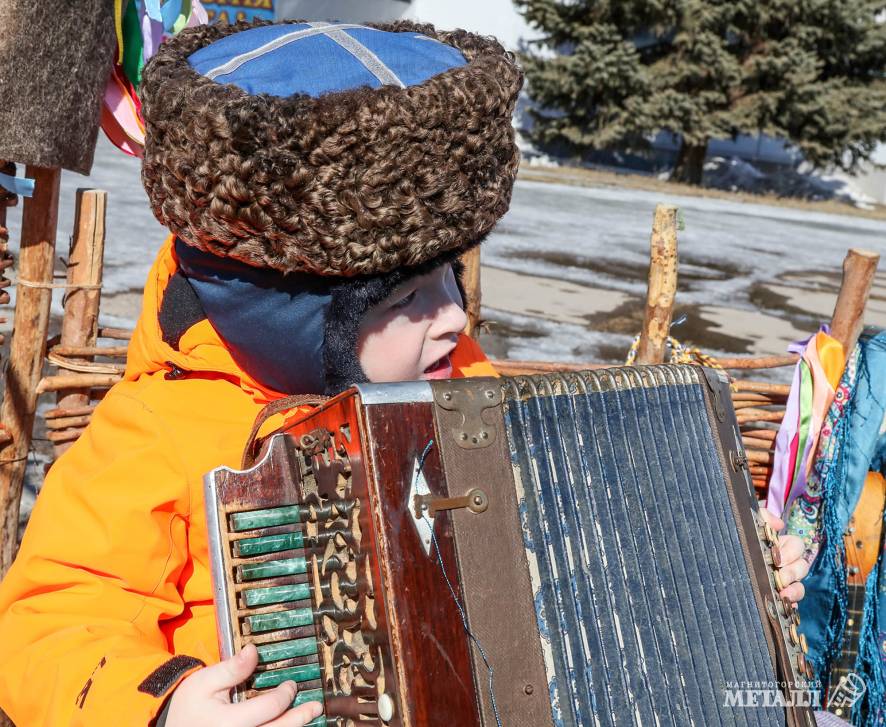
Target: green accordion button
[280, 620]
[286, 649]
[300, 673]
[268, 544]
[319, 722]
[276, 594]
[272, 569]
[308, 695]
[255, 519]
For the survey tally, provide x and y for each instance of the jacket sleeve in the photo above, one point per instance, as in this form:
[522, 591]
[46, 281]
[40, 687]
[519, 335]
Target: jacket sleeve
[80, 609]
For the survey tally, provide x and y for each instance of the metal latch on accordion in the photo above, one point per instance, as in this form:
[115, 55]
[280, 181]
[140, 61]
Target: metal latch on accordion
[475, 501]
[423, 506]
[471, 399]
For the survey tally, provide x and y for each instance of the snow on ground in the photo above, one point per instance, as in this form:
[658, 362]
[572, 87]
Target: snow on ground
[737, 175]
[747, 271]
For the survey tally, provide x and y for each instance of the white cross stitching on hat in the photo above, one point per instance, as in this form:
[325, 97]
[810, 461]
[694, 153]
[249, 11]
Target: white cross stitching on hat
[237, 61]
[336, 33]
[370, 61]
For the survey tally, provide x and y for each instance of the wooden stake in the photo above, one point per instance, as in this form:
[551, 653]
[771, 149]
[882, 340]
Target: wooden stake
[758, 415]
[110, 351]
[508, 367]
[37, 251]
[859, 267]
[759, 362]
[64, 382]
[763, 436]
[471, 283]
[763, 387]
[763, 399]
[66, 435]
[662, 286]
[765, 457]
[60, 423]
[120, 334]
[85, 264]
[61, 413]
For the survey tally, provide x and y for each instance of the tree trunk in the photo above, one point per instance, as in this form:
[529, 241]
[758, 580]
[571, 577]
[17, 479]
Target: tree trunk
[690, 163]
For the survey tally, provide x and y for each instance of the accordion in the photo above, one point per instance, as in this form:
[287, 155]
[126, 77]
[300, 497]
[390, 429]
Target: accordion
[563, 549]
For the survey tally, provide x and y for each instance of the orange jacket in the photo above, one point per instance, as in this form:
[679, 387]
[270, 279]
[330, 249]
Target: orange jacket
[112, 578]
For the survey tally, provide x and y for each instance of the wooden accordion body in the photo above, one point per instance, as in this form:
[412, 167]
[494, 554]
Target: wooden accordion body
[565, 550]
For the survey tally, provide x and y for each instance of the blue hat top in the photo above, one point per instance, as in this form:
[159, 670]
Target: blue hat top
[319, 58]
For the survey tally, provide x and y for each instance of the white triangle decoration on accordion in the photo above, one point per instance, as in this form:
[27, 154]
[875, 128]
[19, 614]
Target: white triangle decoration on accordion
[424, 523]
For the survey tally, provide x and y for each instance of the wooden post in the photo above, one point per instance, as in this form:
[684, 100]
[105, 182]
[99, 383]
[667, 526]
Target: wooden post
[859, 267]
[37, 249]
[6, 200]
[662, 286]
[80, 322]
[471, 281]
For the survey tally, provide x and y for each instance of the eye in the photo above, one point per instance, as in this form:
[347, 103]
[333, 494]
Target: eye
[405, 300]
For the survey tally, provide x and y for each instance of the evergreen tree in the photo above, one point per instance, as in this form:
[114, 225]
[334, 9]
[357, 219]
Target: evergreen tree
[611, 73]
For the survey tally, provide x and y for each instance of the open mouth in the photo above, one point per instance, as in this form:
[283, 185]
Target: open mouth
[441, 364]
[440, 369]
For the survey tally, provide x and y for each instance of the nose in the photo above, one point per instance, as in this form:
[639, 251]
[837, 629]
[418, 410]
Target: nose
[449, 317]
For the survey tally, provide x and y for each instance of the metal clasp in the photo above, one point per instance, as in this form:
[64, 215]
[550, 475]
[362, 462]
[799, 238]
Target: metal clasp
[475, 500]
[471, 398]
[738, 460]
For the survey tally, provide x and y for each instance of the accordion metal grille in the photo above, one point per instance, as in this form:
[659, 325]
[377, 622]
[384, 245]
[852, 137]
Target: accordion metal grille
[645, 609]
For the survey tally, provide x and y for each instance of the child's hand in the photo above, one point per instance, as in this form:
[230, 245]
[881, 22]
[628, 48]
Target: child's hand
[203, 699]
[794, 566]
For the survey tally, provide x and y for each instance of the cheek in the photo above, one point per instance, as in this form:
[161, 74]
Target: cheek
[391, 350]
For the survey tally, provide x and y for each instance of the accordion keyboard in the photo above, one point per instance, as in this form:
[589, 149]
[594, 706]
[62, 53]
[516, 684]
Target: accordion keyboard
[294, 581]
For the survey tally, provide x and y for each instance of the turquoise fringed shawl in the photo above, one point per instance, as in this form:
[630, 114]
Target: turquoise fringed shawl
[853, 443]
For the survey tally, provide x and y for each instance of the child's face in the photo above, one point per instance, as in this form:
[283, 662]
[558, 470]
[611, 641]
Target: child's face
[411, 334]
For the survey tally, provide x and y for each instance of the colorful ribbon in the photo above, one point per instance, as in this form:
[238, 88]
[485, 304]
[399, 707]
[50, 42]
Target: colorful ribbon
[22, 186]
[140, 26]
[812, 392]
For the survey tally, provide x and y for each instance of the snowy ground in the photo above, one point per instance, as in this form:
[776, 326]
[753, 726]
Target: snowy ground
[752, 277]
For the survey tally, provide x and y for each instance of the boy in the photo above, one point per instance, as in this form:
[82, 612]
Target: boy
[319, 182]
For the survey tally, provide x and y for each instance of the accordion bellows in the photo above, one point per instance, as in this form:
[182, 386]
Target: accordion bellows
[643, 604]
[566, 550]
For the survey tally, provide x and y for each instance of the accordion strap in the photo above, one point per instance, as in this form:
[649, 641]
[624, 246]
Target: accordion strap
[269, 410]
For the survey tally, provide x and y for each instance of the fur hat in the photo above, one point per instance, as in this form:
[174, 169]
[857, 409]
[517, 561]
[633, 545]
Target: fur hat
[327, 176]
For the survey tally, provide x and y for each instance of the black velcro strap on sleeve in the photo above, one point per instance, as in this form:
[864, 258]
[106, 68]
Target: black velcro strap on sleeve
[158, 682]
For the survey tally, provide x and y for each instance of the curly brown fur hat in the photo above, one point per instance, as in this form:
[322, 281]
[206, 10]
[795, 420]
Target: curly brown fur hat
[354, 182]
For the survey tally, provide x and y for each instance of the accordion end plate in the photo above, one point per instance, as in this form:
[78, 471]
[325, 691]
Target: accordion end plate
[219, 586]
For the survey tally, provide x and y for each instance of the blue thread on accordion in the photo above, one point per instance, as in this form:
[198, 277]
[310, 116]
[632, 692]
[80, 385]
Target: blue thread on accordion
[461, 611]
